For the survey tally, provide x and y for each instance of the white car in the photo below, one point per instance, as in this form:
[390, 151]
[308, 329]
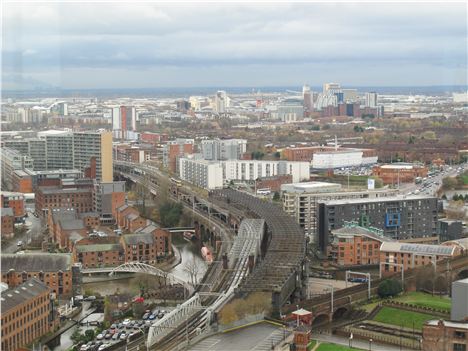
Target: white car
[126, 322]
[100, 337]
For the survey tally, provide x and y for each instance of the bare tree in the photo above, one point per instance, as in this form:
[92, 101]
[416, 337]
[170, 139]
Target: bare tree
[193, 268]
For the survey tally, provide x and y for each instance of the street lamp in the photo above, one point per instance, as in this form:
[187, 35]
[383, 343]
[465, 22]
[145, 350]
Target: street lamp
[370, 344]
[351, 340]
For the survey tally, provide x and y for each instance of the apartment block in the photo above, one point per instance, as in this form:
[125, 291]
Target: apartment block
[8, 223]
[223, 149]
[355, 245]
[202, 173]
[15, 201]
[28, 313]
[399, 217]
[12, 160]
[301, 201]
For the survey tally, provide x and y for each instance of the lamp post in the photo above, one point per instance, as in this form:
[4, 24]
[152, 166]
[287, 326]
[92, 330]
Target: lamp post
[370, 344]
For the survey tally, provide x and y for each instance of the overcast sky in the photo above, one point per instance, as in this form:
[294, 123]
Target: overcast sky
[143, 45]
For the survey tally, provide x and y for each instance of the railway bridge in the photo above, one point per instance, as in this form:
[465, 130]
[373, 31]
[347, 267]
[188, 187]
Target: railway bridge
[324, 310]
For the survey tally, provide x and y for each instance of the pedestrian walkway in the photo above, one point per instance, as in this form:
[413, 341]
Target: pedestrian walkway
[356, 343]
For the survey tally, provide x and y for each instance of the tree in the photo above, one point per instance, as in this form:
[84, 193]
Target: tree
[358, 129]
[170, 214]
[276, 196]
[193, 268]
[449, 182]
[389, 288]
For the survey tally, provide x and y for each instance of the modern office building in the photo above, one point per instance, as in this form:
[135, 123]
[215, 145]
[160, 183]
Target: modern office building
[223, 149]
[107, 198]
[399, 217]
[449, 229]
[221, 101]
[28, 313]
[301, 200]
[341, 157]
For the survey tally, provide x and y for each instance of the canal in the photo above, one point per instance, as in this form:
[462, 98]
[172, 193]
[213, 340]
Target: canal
[191, 262]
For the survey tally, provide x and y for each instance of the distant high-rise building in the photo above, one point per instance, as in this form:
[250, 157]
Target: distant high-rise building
[221, 101]
[330, 86]
[371, 99]
[350, 95]
[308, 99]
[291, 110]
[123, 120]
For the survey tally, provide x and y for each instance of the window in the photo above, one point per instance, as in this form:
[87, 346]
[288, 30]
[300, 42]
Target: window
[459, 347]
[459, 334]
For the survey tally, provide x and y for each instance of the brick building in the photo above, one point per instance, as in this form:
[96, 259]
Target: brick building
[150, 244]
[176, 149]
[356, 245]
[54, 270]
[8, 223]
[399, 172]
[27, 314]
[22, 182]
[15, 201]
[79, 198]
[99, 252]
[274, 183]
[440, 335]
[65, 227]
[154, 138]
[395, 255]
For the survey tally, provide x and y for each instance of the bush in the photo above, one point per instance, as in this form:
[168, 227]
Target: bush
[389, 288]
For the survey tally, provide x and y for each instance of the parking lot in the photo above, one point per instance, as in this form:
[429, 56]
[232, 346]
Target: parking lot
[123, 332]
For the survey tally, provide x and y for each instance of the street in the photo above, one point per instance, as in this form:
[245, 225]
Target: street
[34, 230]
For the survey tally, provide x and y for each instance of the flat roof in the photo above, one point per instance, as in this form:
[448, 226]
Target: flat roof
[451, 324]
[419, 249]
[378, 199]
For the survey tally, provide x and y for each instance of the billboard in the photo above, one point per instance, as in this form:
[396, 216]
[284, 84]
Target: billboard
[370, 184]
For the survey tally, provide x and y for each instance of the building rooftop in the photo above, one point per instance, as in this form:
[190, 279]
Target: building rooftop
[13, 297]
[379, 199]
[47, 190]
[463, 243]
[135, 239]
[311, 187]
[451, 324]
[149, 228]
[36, 262]
[6, 211]
[97, 247]
[352, 230]
[419, 249]
[72, 224]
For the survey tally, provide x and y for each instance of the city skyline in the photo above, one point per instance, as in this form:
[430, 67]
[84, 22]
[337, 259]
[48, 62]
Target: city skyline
[144, 45]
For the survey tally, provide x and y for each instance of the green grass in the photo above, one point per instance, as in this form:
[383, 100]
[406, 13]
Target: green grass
[397, 317]
[311, 344]
[334, 347]
[426, 300]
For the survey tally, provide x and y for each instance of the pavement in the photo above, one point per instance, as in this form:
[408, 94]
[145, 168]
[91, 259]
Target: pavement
[356, 343]
[257, 337]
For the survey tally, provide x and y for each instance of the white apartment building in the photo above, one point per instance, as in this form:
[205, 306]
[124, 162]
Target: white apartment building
[254, 169]
[202, 173]
[301, 201]
[223, 149]
[214, 174]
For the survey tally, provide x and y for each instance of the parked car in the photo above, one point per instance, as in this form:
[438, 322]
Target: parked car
[108, 336]
[123, 336]
[145, 316]
[126, 322]
[151, 317]
[100, 337]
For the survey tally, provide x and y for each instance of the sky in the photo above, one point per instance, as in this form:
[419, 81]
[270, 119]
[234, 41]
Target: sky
[89, 45]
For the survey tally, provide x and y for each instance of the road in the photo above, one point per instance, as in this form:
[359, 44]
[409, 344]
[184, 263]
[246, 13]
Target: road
[34, 231]
[431, 185]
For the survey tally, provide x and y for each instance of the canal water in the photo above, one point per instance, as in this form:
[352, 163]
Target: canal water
[191, 257]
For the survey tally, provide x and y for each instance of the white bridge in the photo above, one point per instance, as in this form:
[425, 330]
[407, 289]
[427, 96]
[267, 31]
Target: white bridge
[173, 319]
[247, 244]
[138, 267]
